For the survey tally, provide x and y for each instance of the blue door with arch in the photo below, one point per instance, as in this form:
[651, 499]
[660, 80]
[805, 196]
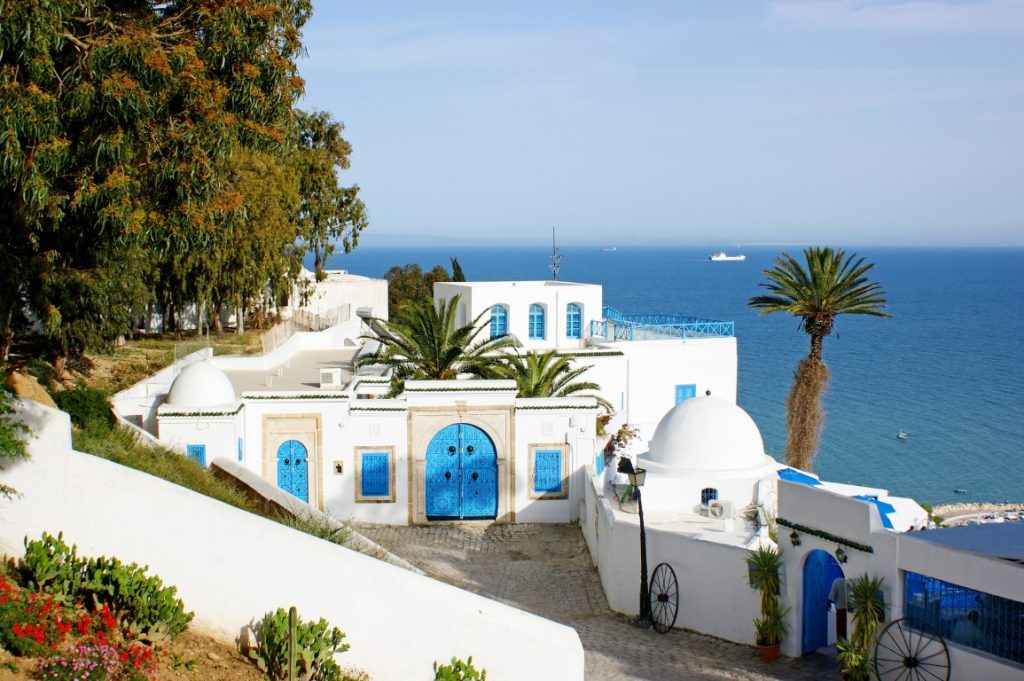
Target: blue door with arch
[461, 474]
[820, 570]
[293, 469]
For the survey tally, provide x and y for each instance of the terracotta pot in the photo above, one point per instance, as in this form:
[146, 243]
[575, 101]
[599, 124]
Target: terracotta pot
[769, 653]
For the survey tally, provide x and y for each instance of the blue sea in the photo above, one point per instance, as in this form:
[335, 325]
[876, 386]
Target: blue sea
[946, 368]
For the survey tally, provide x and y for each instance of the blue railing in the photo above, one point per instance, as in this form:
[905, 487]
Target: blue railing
[618, 326]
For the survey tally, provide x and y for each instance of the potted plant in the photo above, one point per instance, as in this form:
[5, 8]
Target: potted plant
[764, 565]
[864, 599]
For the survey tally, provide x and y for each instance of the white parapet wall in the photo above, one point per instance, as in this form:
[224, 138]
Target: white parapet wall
[714, 593]
[230, 567]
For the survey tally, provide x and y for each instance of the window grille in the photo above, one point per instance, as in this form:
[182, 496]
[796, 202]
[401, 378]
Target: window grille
[197, 453]
[708, 494]
[965, 616]
[536, 322]
[573, 321]
[499, 321]
[547, 471]
[374, 475]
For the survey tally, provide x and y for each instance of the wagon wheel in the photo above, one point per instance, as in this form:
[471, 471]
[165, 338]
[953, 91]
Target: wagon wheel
[909, 650]
[664, 594]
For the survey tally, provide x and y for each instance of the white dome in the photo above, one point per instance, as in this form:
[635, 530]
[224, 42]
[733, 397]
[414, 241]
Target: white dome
[707, 434]
[201, 385]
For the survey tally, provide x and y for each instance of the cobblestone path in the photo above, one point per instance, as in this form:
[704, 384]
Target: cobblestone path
[546, 570]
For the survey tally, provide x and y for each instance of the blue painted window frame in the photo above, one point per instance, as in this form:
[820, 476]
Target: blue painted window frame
[685, 392]
[548, 469]
[537, 322]
[379, 485]
[708, 494]
[947, 609]
[197, 453]
[499, 320]
[573, 321]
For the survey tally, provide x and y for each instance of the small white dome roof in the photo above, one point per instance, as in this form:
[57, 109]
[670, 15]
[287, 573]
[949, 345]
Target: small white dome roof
[201, 385]
[707, 434]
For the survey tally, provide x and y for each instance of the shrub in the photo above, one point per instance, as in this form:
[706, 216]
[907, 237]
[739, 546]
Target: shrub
[30, 623]
[12, 433]
[143, 605]
[459, 671]
[316, 644]
[88, 407]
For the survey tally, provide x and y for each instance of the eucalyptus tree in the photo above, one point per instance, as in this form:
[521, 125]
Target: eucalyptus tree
[425, 341]
[328, 212]
[116, 120]
[830, 283]
[547, 374]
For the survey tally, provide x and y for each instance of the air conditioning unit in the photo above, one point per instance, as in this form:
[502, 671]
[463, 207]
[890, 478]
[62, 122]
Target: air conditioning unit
[330, 378]
[720, 510]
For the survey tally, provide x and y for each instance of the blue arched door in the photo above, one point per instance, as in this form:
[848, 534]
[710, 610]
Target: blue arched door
[461, 474]
[820, 570]
[293, 469]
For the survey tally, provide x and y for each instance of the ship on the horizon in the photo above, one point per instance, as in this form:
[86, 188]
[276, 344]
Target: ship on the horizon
[721, 256]
[610, 249]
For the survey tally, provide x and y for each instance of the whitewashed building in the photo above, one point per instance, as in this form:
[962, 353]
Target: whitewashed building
[306, 419]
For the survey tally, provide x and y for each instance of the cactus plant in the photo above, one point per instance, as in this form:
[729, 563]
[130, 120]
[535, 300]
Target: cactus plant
[288, 649]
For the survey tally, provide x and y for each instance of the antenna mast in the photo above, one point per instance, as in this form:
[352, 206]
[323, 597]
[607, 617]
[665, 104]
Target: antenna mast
[556, 257]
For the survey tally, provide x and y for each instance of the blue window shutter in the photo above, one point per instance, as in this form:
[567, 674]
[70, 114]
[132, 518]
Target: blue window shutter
[197, 453]
[536, 322]
[499, 321]
[685, 392]
[241, 450]
[599, 462]
[547, 471]
[573, 321]
[374, 473]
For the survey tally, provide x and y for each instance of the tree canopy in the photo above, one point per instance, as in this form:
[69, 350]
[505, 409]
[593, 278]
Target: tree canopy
[150, 153]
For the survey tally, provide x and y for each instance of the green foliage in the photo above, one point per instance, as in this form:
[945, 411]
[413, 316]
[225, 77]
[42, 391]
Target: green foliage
[328, 213]
[88, 407]
[764, 566]
[409, 284]
[831, 284]
[854, 660]
[459, 671]
[12, 434]
[141, 602]
[864, 601]
[546, 374]
[316, 644]
[423, 342]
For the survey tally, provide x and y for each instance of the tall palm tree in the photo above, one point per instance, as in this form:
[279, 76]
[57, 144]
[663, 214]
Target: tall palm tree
[546, 374]
[423, 342]
[832, 284]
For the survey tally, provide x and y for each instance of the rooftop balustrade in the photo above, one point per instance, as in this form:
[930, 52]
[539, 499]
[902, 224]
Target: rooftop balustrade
[628, 327]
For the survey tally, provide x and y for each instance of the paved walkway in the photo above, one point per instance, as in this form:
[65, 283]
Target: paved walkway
[546, 570]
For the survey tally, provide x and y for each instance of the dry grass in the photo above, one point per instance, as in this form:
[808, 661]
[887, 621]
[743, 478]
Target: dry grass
[805, 413]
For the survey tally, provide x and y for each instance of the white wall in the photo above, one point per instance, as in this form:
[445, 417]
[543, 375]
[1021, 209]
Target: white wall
[714, 593]
[230, 567]
[479, 296]
[218, 433]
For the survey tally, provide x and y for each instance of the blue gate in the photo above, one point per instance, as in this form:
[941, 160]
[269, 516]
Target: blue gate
[293, 469]
[820, 570]
[461, 474]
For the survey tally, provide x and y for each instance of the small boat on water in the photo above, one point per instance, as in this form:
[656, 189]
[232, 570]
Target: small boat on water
[959, 490]
[902, 436]
[722, 256]
[609, 250]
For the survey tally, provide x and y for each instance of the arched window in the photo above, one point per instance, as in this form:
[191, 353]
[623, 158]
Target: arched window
[499, 321]
[537, 322]
[708, 494]
[573, 321]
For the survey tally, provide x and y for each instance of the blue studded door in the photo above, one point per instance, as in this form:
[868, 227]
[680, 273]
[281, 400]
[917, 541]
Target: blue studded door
[293, 469]
[461, 474]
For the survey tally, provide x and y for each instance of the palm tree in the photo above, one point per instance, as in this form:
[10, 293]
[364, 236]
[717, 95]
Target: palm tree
[832, 284]
[546, 374]
[423, 342]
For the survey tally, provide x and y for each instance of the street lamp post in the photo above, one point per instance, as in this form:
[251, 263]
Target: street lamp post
[637, 478]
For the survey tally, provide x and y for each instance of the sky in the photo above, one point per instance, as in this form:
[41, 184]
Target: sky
[721, 122]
